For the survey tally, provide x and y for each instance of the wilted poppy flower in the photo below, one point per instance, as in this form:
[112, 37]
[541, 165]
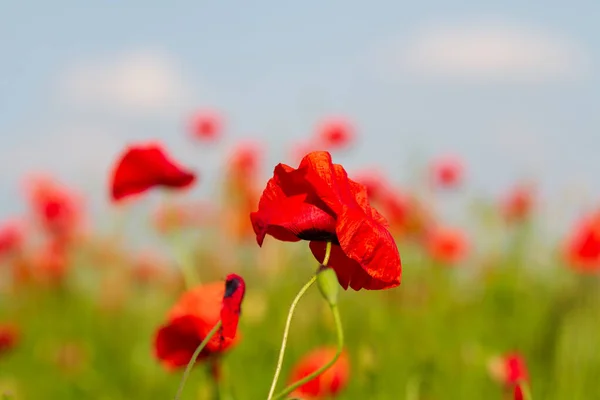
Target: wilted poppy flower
[235, 288]
[206, 125]
[447, 171]
[11, 237]
[55, 207]
[509, 369]
[319, 203]
[9, 337]
[447, 245]
[583, 245]
[335, 133]
[189, 321]
[328, 384]
[518, 204]
[142, 167]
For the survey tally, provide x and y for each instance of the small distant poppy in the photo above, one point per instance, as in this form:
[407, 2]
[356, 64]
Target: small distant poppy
[319, 203]
[55, 207]
[9, 337]
[11, 237]
[447, 171]
[583, 244]
[509, 369]
[192, 318]
[335, 133]
[447, 245]
[206, 125]
[518, 204]
[142, 167]
[328, 384]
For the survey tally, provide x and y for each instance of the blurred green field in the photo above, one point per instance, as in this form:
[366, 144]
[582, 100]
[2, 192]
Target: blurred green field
[430, 338]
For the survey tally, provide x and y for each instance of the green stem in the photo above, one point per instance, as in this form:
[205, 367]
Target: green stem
[286, 332]
[188, 369]
[340, 348]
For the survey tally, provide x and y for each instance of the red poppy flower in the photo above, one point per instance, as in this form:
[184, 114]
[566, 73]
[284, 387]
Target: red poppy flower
[189, 321]
[328, 384]
[447, 171]
[235, 288]
[447, 245]
[518, 393]
[11, 237]
[319, 203]
[142, 167]
[509, 369]
[55, 207]
[583, 245]
[9, 337]
[335, 133]
[518, 204]
[206, 125]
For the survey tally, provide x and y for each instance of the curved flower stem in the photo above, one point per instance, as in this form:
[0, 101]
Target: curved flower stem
[288, 322]
[340, 348]
[188, 369]
[286, 332]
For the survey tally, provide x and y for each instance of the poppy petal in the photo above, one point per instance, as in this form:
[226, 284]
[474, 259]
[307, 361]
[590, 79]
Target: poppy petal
[235, 288]
[146, 166]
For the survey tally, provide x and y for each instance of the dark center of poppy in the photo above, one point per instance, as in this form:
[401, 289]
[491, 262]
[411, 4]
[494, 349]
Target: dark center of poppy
[231, 286]
[318, 236]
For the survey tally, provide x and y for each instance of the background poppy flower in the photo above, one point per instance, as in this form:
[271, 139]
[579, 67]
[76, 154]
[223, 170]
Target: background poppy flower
[142, 167]
[518, 204]
[447, 171]
[583, 245]
[334, 133]
[9, 337]
[11, 237]
[328, 384]
[188, 322]
[509, 369]
[447, 245]
[319, 203]
[206, 125]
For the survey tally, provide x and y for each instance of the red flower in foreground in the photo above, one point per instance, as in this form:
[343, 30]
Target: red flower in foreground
[55, 207]
[189, 321]
[328, 384]
[518, 204]
[335, 133]
[206, 125]
[9, 337]
[447, 245]
[319, 203]
[235, 288]
[447, 171]
[11, 237]
[583, 245]
[142, 167]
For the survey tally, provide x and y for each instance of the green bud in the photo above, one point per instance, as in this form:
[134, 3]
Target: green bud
[328, 284]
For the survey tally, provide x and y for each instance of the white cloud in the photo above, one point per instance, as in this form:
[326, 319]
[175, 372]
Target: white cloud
[142, 81]
[485, 50]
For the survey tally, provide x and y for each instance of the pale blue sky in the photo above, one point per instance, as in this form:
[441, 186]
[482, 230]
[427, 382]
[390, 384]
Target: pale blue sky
[511, 86]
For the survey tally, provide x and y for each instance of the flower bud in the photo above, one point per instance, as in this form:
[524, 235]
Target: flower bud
[328, 284]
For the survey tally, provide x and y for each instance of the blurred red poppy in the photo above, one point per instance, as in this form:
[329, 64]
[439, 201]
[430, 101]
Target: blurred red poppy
[55, 207]
[206, 125]
[334, 133]
[583, 245]
[12, 236]
[9, 337]
[518, 204]
[447, 245]
[328, 384]
[51, 262]
[319, 203]
[518, 393]
[447, 171]
[189, 321]
[235, 288]
[142, 167]
[509, 369]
